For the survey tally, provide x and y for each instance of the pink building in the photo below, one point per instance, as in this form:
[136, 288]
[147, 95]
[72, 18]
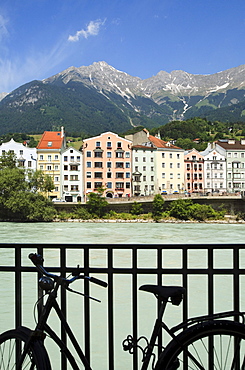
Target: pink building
[194, 171]
[107, 163]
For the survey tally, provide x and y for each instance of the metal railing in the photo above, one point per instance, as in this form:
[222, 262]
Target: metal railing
[161, 263]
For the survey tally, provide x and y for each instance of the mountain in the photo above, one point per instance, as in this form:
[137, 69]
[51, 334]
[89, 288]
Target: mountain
[96, 98]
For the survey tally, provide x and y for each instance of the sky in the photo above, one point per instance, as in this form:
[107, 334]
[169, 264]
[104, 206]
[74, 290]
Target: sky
[40, 38]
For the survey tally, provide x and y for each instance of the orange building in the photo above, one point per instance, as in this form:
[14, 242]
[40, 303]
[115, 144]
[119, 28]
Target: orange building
[107, 163]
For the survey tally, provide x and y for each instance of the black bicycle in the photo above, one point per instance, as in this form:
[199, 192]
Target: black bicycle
[206, 342]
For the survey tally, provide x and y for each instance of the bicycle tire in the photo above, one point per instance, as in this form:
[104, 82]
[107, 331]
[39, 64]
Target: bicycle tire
[214, 344]
[11, 344]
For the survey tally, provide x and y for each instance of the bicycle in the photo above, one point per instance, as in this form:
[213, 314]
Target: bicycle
[205, 342]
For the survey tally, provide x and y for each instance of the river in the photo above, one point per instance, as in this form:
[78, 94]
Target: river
[116, 233]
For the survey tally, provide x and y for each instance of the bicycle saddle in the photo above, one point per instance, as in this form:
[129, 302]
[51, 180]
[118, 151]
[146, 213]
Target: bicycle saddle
[175, 293]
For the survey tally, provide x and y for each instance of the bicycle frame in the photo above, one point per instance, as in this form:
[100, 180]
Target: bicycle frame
[42, 327]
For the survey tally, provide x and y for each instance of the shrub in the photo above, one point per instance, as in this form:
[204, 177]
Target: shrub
[157, 206]
[136, 208]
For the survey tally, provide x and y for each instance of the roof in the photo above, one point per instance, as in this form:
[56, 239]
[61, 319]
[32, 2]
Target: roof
[231, 144]
[51, 140]
[162, 144]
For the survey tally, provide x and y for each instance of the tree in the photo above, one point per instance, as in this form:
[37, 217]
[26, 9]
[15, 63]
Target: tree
[38, 180]
[18, 201]
[96, 203]
[157, 206]
[136, 208]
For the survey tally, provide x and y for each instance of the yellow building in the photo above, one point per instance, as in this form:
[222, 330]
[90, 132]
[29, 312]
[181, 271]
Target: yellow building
[49, 150]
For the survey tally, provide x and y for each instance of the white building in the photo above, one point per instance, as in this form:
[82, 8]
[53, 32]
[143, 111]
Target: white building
[214, 170]
[72, 175]
[26, 157]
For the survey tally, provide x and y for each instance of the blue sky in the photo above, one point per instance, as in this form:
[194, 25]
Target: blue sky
[39, 38]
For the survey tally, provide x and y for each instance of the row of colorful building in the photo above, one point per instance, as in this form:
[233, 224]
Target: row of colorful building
[137, 165]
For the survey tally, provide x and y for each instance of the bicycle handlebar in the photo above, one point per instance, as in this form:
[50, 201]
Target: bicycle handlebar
[38, 260]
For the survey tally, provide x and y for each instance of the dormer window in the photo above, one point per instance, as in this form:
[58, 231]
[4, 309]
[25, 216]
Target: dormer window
[50, 143]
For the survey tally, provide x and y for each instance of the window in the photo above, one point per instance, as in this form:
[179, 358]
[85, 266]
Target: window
[89, 185]
[119, 164]
[171, 165]
[119, 175]
[127, 155]
[127, 185]
[56, 157]
[152, 159]
[109, 185]
[119, 144]
[144, 178]
[152, 168]
[72, 158]
[108, 164]
[152, 178]
[119, 154]
[41, 156]
[144, 168]
[98, 175]
[65, 177]
[89, 154]
[97, 185]
[98, 164]
[88, 164]
[228, 155]
[120, 185]
[108, 144]
[144, 159]
[56, 178]
[178, 156]
[65, 168]
[73, 177]
[89, 175]
[163, 155]
[108, 154]
[109, 175]
[136, 159]
[65, 158]
[163, 165]
[78, 158]
[50, 143]
[74, 188]
[170, 155]
[178, 165]
[171, 175]
[29, 164]
[74, 168]
[98, 154]
[163, 175]
[97, 144]
[127, 175]
[66, 187]
[49, 168]
[127, 165]
[49, 158]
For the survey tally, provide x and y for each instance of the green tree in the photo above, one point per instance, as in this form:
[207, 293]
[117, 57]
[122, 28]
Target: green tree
[136, 209]
[38, 180]
[180, 209]
[17, 199]
[96, 203]
[157, 206]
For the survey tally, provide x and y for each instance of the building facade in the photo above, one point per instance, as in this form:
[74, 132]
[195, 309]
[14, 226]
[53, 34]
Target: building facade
[107, 163]
[194, 171]
[214, 170]
[26, 157]
[72, 172]
[49, 158]
[234, 151]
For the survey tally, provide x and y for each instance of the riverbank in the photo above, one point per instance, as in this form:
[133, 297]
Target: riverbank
[227, 220]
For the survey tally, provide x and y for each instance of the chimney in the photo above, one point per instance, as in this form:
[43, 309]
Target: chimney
[62, 131]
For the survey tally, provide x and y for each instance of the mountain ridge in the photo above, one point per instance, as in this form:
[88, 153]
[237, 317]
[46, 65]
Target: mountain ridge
[95, 98]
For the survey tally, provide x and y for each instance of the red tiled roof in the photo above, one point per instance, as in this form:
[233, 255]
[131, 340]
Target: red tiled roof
[161, 144]
[51, 140]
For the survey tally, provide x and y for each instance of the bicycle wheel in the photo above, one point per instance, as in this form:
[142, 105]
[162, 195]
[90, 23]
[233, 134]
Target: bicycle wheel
[11, 346]
[216, 345]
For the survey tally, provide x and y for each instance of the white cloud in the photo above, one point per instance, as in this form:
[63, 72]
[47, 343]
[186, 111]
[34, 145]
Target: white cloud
[3, 28]
[91, 30]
